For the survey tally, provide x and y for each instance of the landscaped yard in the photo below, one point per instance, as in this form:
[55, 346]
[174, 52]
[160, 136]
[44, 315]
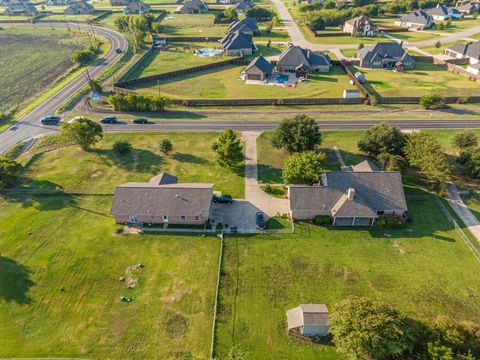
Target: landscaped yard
[192, 25]
[61, 266]
[43, 57]
[100, 169]
[424, 79]
[224, 83]
[423, 270]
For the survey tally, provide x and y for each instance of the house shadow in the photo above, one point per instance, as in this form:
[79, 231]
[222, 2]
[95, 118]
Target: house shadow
[189, 158]
[15, 282]
[139, 160]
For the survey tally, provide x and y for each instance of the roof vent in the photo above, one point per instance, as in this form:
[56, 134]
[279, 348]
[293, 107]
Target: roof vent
[351, 194]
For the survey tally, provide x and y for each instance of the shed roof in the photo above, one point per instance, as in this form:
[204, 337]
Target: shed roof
[307, 314]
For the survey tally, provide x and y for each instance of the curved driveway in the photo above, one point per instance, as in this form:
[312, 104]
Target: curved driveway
[29, 126]
[298, 38]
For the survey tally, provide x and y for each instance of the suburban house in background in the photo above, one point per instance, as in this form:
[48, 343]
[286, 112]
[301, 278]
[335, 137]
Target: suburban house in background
[440, 12]
[360, 26]
[303, 61]
[350, 198]
[192, 7]
[162, 200]
[137, 8]
[308, 320]
[469, 51]
[121, 2]
[467, 7]
[79, 8]
[474, 69]
[242, 6]
[259, 69]
[19, 8]
[385, 55]
[246, 25]
[237, 44]
[54, 2]
[418, 20]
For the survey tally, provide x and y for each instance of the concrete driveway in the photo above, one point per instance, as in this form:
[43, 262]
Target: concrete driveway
[240, 213]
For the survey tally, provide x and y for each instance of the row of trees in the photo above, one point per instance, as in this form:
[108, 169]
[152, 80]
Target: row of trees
[335, 17]
[394, 150]
[137, 102]
[365, 329]
[136, 28]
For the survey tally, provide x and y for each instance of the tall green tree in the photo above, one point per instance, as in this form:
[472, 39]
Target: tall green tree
[425, 152]
[10, 170]
[83, 132]
[382, 139]
[366, 329]
[297, 134]
[304, 168]
[228, 149]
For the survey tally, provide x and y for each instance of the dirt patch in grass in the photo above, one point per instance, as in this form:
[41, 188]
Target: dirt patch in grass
[176, 325]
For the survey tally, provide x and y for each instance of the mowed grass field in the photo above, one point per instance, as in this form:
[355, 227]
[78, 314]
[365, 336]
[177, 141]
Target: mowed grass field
[60, 267]
[423, 270]
[100, 169]
[224, 83]
[192, 25]
[178, 56]
[424, 79]
[43, 57]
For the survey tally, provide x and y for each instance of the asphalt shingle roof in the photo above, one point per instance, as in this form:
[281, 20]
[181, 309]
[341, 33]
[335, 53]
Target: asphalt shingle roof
[261, 63]
[307, 314]
[236, 41]
[383, 50]
[297, 56]
[245, 25]
[417, 17]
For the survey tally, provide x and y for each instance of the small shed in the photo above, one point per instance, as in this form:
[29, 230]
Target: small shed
[351, 94]
[308, 319]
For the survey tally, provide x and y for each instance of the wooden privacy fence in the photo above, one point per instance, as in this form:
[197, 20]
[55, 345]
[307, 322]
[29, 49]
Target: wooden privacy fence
[192, 39]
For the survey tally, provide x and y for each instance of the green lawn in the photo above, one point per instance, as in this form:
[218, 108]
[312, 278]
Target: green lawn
[192, 25]
[100, 169]
[60, 264]
[224, 83]
[424, 79]
[422, 270]
[177, 56]
[439, 50]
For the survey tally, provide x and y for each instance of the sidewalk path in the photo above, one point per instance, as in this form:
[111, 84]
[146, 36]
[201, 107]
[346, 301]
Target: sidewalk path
[463, 212]
[270, 205]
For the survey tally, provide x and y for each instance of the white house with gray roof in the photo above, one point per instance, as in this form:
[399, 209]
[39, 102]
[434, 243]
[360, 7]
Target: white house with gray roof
[137, 8]
[300, 60]
[18, 8]
[439, 12]
[192, 7]
[162, 200]
[350, 198]
[79, 8]
[418, 20]
[385, 55]
[468, 51]
[309, 320]
[467, 7]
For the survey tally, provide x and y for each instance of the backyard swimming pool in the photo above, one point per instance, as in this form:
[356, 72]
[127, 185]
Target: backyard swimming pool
[282, 78]
[207, 52]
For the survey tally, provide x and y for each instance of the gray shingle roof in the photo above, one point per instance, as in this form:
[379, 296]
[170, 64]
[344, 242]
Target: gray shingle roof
[439, 10]
[236, 41]
[297, 56]
[245, 25]
[470, 50]
[172, 199]
[417, 17]
[243, 6]
[383, 50]
[261, 63]
[307, 314]
[365, 166]
[375, 190]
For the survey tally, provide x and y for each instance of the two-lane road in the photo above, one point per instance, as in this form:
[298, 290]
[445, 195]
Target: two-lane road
[29, 126]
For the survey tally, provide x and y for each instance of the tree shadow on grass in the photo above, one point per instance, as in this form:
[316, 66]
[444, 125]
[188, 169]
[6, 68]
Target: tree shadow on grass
[189, 158]
[138, 160]
[15, 282]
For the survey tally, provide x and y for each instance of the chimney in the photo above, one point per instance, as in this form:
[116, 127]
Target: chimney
[351, 194]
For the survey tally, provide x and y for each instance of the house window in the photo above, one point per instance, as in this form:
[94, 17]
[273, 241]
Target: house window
[197, 218]
[380, 212]
[183, 218]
